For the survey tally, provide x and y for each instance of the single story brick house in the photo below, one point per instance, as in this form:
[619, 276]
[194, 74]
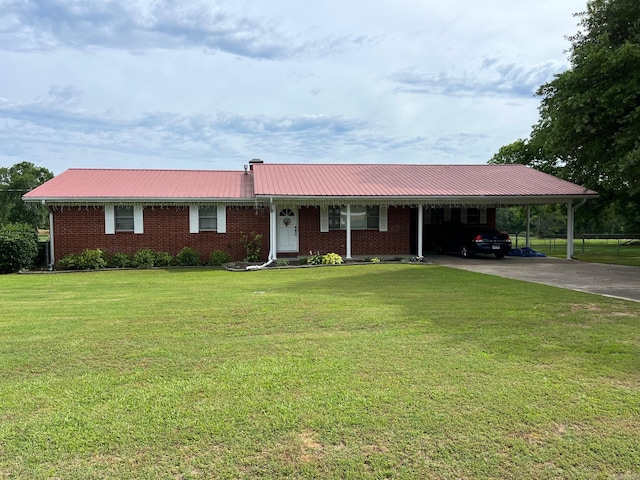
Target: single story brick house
[349, 209]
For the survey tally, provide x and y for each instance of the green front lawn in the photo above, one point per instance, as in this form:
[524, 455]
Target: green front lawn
[364, 371]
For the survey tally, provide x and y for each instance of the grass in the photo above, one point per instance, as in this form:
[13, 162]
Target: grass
[609, 251]
[366, 371]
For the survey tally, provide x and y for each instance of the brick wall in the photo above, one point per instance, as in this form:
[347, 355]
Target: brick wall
[363, 242]
[166, 229]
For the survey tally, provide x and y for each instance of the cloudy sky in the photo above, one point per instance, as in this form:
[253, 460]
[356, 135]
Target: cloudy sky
[207, 84]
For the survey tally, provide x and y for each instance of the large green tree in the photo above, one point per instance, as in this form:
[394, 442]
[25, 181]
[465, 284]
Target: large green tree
[15, 181]
[589, 126]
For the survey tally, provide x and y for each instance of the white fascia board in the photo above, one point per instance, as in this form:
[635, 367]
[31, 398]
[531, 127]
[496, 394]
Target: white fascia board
[431, 200]
[139, 200]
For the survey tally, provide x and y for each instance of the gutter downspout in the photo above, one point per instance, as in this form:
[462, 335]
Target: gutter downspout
[52, 254]
[272, 239]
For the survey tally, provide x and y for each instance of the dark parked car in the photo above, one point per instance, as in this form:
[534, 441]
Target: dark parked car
[467, 240]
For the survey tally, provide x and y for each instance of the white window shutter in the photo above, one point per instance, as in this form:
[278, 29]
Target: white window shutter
[383, 224]
[447, 214]
[222, 219]
[324, 218]
[463, 215]
[109, 220]
[138, 222]
[483, 216]
[194, 219]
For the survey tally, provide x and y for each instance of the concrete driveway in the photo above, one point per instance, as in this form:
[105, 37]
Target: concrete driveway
[611, 280]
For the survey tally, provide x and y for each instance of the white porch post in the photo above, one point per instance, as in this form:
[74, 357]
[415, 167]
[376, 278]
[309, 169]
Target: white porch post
[420, 228]
[273, 239]
[528, 240]
[570, 230]
[348, 231]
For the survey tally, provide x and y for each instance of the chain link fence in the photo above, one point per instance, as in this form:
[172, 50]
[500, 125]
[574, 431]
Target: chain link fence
[584, 243]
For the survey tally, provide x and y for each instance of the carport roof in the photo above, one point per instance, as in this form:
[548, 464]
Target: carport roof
[414, 181]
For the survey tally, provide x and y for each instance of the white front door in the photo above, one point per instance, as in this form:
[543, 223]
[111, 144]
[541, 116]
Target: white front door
[287, 230]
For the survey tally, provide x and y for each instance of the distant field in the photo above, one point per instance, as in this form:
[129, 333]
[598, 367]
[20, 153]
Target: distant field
[364, 371]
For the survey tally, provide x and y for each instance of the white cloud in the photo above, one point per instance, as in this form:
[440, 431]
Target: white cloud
[201, 83]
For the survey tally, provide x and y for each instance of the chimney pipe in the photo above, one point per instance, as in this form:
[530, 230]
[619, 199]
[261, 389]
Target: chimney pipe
[253, 162]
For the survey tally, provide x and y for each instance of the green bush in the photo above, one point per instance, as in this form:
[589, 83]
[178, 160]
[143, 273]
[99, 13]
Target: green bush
[162, 259]
[92, 259]
[144, 258]
[120, 260]
[87, 260]
[332, 259]
[219, 257]
[315, 259]
[18, 247]
[252, 243]
[70, 262]
[188, 257]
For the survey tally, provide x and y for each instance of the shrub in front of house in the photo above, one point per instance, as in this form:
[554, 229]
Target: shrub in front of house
[332, 259]
[18, 247]
[163, 259]
[315, 259]
[89, 259]
[252, 243]
[93, 259]
[188, 257]
[218, 258]
[144, 258]
[120, 260]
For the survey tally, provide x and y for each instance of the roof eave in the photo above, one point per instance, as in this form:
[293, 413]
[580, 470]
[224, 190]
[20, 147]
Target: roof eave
[501, 200]
[136, 200]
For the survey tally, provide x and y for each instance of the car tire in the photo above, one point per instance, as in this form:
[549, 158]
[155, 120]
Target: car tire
[465, 253]
[500, 255]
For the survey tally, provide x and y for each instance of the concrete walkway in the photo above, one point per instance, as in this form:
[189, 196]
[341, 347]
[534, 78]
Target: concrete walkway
[611, 280]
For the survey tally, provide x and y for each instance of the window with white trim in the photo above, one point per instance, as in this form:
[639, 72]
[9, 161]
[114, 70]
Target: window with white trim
[362, 218]
[211, 218]
[123, 219]
[208, 219]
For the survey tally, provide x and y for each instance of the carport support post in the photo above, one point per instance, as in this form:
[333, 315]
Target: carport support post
[349, 231]
[528, 243]
[420, 228]
[570, 230]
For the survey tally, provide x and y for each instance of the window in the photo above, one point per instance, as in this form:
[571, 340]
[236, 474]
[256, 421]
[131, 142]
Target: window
[473, 216]
[124, 219]
[208, 219]
[362, 218]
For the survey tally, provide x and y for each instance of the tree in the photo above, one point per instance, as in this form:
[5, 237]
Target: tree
[15, 181]
[589, 126]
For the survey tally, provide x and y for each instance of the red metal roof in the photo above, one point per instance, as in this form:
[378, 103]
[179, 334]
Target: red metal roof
[295, 180]
[401, 180]
[88, 184]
